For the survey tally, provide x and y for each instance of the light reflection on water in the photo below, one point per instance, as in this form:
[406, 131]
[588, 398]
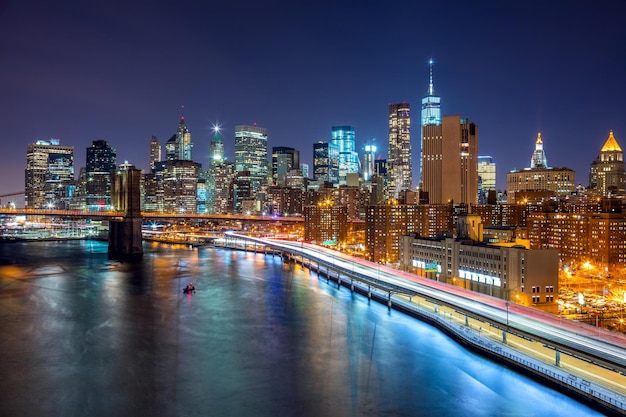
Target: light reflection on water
[92, 336]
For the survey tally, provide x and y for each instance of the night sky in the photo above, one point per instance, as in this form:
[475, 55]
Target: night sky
[120, 71]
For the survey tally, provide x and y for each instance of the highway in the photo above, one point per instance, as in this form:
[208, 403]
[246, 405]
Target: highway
[599, 346]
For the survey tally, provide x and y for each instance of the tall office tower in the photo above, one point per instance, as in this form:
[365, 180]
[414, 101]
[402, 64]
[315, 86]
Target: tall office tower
[400, 172]
[369, 156]
[284, 160]
[449, 161]
[431, 113]
[101, 161]
[606, 174]
[251, 154]
[179, 146]
[343, 137]
[216, 148]
[49, 174]
[180, 186]
[155, 152]
[538, 160]
[326, 162]
[223, 175]
[487, 177]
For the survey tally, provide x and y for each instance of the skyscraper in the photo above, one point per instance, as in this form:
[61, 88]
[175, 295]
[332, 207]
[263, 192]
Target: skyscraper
[606, 174]
[449, 161]
[284, 159]
[326, 162]
[431, 103]
[369, 156]
[486, 177]
[400, 174]
[155, 152]
[216, 148]
[179, 146]
[49, 174]
[431, 114]
[101, 161]
[343, 137]
[251, 153]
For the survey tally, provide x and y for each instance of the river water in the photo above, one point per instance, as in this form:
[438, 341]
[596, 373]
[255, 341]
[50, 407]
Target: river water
[84, 335]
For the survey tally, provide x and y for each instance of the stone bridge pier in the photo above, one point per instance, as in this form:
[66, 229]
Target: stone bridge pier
[125, 234]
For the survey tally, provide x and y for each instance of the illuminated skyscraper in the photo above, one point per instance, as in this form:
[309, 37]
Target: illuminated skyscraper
[101, 161]
[606, 174]
[343, 137]
[179, 146]
[431, 114]
[284, 160]
[369, 156]
[49, 174]
[155, 152]
[431, 103]
[449, 161]
[486, 176]
[400, 172]
[216, 147]
[251, 153]
[326, 162]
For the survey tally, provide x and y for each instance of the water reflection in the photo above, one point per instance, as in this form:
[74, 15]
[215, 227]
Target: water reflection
[87, 335]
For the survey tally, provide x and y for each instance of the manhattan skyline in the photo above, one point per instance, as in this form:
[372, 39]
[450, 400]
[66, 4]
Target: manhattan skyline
[121, 73]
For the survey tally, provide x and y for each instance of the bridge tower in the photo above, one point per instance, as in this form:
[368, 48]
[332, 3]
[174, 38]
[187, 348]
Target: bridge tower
[125, 233]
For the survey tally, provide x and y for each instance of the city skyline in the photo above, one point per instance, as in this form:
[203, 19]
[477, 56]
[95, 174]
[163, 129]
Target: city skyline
[94, 73]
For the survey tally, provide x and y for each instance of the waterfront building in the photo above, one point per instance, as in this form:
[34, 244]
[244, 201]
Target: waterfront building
[326, 162]
[101, 161]
[539, 178]
[49, 175]
[400, 172]
[251, 154]
[607, 174]
[325, 223]
[506, 270]
[384, 225]
[486, 178]
[343, 137]
[449, 161]
[179, 146]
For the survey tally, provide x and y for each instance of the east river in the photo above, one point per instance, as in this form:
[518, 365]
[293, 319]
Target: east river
[84, 335]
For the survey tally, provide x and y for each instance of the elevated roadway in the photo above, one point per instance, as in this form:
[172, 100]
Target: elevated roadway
[593, 354]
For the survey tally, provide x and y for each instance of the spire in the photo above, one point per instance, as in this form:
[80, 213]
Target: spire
[431, 88]
[538, 159]
[611, 144]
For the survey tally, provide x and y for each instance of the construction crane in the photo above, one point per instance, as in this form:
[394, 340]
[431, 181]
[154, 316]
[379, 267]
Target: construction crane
[10, 194]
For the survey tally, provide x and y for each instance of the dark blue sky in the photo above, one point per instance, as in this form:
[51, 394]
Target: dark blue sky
[86, 70]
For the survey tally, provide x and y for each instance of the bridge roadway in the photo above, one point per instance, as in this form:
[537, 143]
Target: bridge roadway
[146, 215]
[589, 353]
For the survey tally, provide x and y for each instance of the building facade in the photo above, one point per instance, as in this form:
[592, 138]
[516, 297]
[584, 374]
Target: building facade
[344, 138]
[400, 172]
[508, 271]
[539, 178]
[49, 175]
[251, 154]
[450, 161]
[607, 174]
[326, 162]
[101, 161]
